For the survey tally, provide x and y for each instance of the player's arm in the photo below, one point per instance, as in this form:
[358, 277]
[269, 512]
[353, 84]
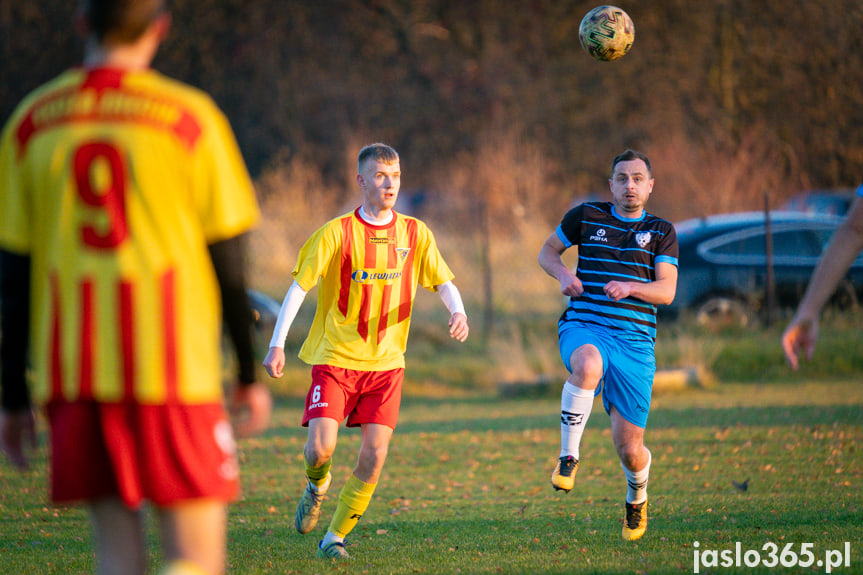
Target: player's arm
[17, 423]
[551, 262]
[250, 395]
[449, 294]
[660, 291]
[275, 360]
[802, 333]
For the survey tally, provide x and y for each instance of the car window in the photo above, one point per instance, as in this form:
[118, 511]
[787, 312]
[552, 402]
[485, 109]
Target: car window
[745, 246]
[796, 243]
[792, 245]
[823, 235]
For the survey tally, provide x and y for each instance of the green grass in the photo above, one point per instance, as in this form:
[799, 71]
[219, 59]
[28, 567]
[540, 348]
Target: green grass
[466, 489]
[755, 354]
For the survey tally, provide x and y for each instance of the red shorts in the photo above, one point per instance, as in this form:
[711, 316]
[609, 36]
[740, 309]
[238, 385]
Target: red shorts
[361, 396]
[162, 453]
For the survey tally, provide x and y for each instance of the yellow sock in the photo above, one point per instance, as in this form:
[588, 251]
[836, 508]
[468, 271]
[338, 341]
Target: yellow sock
[182, 567]
[318, 475]
[353, 502]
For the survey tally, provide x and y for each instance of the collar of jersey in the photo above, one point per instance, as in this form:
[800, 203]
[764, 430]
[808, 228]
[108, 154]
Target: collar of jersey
[625, 219]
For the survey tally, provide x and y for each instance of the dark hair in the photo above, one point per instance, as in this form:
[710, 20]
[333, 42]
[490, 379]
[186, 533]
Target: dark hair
[379, 152]
[121, 21]
[628, 156]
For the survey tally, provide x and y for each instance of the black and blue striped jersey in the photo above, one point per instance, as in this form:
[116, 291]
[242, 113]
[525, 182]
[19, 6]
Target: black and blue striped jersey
[612, 247]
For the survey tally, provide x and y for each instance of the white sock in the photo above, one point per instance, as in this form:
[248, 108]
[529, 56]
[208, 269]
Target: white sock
[636, 482]
[323, 488]
[575, 406]
[331, 537]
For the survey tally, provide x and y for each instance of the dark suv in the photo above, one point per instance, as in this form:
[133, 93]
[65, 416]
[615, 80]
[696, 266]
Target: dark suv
[723, 264]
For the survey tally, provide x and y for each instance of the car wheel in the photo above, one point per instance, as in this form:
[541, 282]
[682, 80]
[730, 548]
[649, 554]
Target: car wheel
[723, 311]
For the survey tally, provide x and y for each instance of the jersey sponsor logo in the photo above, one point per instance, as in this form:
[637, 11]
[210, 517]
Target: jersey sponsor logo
[643, 238]
[600, 236]
[377, 240]
[364, 276]
[319, 404]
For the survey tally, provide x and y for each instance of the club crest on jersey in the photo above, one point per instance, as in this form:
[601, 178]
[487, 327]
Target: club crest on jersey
[402, 253]
[642, 239]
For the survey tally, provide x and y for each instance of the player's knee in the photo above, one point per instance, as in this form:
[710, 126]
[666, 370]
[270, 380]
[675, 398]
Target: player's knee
[318, 453]
[631, 455]
[586, 368]
[373, 456]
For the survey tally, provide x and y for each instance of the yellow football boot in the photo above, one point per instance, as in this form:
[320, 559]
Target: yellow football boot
[635, 523]
[563, 477]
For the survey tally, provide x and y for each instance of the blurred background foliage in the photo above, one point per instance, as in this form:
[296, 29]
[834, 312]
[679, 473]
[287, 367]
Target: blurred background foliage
[502, 121]
[729, 97]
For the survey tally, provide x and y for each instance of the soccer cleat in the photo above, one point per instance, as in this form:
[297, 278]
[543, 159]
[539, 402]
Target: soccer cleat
[563, 476]
[635, 523]
[335, 550]
[308, 510]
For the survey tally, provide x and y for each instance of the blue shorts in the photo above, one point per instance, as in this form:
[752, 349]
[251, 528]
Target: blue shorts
[628, 367]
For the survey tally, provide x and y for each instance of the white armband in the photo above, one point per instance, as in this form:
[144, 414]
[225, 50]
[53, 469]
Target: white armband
[290, 306]
[451, 298]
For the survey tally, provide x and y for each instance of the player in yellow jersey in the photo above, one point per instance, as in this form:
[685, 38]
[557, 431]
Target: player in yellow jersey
[124, 203]
[367, 265]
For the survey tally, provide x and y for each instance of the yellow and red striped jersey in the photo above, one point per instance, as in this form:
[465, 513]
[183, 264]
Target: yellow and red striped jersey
[114, 183]
[367, 278]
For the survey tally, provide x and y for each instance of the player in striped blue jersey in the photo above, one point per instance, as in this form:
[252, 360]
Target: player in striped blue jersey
[627, 265]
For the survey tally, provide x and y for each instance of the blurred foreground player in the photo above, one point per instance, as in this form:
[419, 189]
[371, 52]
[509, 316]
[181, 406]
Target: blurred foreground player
[124, 202]
[801, 335]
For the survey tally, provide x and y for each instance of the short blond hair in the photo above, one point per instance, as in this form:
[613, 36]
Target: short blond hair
[378, 152]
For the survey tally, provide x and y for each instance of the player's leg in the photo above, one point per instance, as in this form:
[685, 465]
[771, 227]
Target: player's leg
[626, 397]
[357, 492]
[585, 363]
[318, 453]
[118, 536]
[327, 403]
[82, 469]
[193, 537]
[376, 412]
[635, 460]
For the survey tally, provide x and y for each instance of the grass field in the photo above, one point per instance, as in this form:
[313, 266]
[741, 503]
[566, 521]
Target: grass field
[466, 490]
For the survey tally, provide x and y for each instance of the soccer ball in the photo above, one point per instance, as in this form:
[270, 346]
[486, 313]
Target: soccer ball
[606, 33]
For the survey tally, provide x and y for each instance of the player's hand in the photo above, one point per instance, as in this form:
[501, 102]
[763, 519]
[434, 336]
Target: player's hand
[616, 290]
[571, 286]
[274, 363]
[17, 429]
[799, 339]
[251, 406]
[458, 328]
